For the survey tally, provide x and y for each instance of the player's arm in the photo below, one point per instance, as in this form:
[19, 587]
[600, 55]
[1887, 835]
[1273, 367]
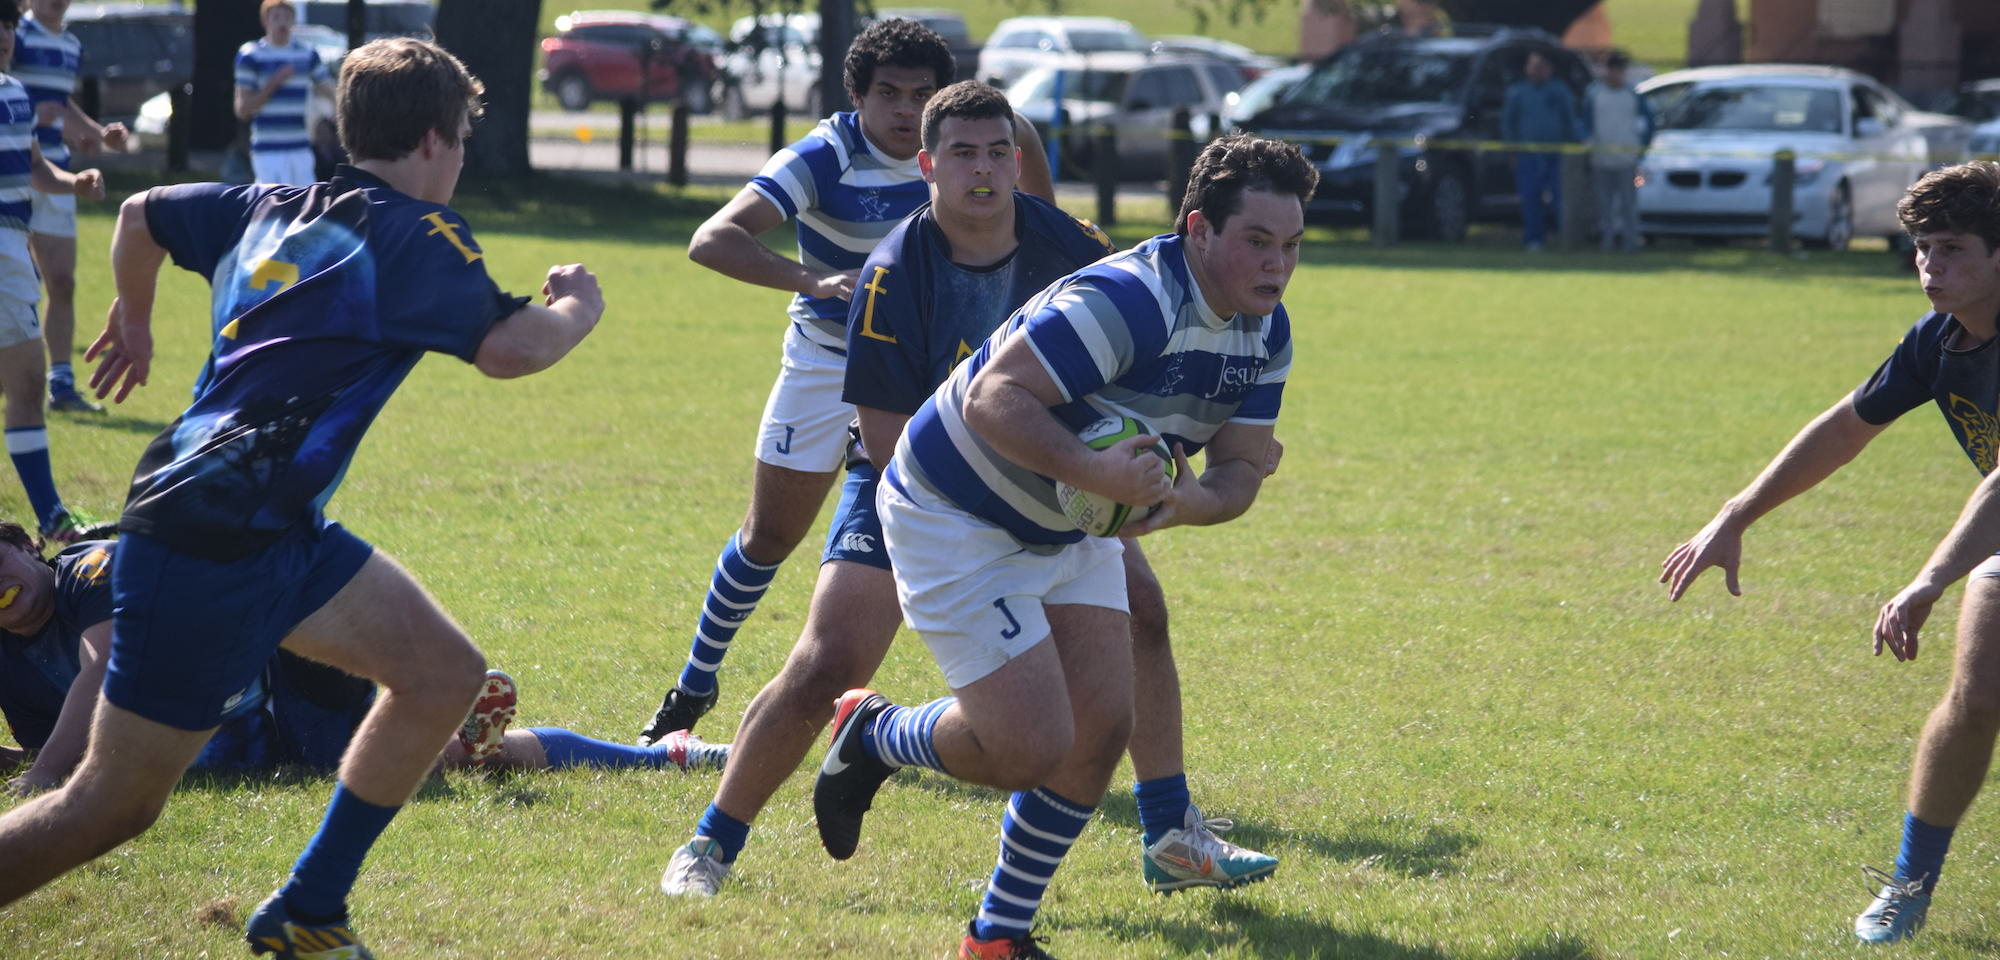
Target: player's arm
[1239, 457]
[1007, 405]
[59, 757]
[126, 345]
[1972, 540]
[1826, 444]
[1035, 177]
[534, 337]
[49, 178]
[880, 429]
[251, 96]
[92, 133]
[727, 243]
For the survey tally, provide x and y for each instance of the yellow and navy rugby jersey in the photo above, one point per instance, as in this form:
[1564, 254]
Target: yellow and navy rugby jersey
[47, 62]
[1965, 385]
[323, 298]
[846, 196]
[1129, 335]
[36, 671]
[281, 124]
[916, 314]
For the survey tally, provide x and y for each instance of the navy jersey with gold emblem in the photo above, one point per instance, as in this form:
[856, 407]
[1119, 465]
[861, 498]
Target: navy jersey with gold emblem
[36, 672]
[916, 314]
[324, 297]
[1965, 384]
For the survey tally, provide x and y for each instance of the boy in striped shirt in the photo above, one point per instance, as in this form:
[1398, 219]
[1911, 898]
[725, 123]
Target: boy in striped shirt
[275, 76]
[25, 173]
[46, 60]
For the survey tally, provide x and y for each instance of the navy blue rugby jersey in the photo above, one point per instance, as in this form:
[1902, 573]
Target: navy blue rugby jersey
[1965, 385]
[916, 314]
[323, 299]
[36, 671]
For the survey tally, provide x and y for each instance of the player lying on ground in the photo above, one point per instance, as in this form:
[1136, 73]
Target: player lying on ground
[1949, 357]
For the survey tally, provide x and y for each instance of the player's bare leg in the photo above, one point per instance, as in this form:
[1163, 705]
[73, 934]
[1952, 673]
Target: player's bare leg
[117, 792]
[55, 258]
[1156, 682]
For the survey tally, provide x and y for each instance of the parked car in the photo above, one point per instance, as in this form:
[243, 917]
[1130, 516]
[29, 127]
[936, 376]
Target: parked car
[1019, 44]
[1416, 89]
[771, 56]
[1136, 94]
[1250, 62]
[1978, 101]
[618, 55]
[949, 24]
[133, 52]
[1708, 172]
[1260, 93]
[385, 18]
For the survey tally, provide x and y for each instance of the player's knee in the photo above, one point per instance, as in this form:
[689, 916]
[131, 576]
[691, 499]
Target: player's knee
[109, 815]
[61, 284]
[1976, 706]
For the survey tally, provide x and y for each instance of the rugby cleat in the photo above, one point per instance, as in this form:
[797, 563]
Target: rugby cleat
[272, 931]
[678, 711]
[696, 870]
[1191, 855]
[690, 752]
[74, 526]
[1026, 947]
[485, 729]
[64, 399]
[849, 776]
[1896, 913]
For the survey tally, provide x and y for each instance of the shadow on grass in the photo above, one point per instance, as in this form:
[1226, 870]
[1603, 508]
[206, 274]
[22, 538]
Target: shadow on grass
[434, 787]
[1395, 844]
[1257, 933]
[115, 421]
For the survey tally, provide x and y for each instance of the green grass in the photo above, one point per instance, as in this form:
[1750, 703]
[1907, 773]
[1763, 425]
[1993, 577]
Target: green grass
[1430, 669]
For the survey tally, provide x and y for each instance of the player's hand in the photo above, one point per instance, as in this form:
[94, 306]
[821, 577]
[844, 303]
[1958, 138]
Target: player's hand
[1185, 500]
[574, 281]
[27, 785]
[836, 286]
[1897, 625]
[89, 184]
[116, 136]
[1129, 472]
[278, 77]
[126, 349]
[1720, 544]
[1272, 454]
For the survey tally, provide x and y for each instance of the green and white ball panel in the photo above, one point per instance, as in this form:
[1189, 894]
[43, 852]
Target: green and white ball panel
[1101, 516]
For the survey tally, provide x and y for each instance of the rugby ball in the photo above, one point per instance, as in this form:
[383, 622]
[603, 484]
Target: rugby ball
[1097, 515]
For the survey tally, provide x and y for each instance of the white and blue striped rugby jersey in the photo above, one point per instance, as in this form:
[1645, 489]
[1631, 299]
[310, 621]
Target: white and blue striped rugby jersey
[281, 125]
[17, 154]
[846, 196]
[1127, 335]
[46, 63]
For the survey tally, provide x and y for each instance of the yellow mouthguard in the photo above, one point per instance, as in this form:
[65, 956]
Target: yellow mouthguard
[7, 598]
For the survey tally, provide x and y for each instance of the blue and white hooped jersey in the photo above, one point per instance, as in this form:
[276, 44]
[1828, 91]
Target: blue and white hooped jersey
[47, 63]
[846, 196]
[1129, 335]
[17, 157]
[281, 124]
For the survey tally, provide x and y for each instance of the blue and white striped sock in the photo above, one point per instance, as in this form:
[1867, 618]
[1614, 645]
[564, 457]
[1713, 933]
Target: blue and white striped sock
[28, 447]
[1038, 830]
[901, 736]
[732, 597]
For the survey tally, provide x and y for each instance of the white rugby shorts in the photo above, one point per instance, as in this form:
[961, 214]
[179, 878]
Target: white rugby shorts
[971, 590]
[54, 214]
[805, 421]
[292, 168]
[18, 321]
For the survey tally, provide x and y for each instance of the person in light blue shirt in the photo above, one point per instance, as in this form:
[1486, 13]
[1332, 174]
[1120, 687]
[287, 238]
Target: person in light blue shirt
[275, 78]
[1539, 110]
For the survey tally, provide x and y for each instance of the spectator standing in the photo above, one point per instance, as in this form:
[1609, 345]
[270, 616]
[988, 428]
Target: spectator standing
[1538, 111]
[1618, 125]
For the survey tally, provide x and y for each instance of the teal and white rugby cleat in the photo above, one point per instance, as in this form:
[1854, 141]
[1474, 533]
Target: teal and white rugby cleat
[1193, 856]
[1896, 913]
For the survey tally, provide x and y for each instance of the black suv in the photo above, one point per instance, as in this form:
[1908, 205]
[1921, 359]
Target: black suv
[133, 51]
[1417, 89]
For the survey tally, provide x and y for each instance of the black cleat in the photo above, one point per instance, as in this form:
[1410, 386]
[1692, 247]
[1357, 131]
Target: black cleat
[849, 777]
[678, 711]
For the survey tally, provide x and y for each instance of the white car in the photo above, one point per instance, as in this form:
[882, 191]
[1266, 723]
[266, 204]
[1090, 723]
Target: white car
[1708, 171]
[1019, 44]
[772, 56]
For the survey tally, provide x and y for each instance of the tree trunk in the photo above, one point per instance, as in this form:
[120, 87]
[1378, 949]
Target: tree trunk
[836, 31]
[220, 26]
[496, 39]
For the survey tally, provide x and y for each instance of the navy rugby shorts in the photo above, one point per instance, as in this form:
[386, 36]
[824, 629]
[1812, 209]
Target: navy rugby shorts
[856, 532]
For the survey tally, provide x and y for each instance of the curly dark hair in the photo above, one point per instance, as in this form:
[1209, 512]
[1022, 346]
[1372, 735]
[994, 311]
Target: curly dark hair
[12, 533]
[966, 100]
[897, 43]
[1964, 198]
[1239, 162]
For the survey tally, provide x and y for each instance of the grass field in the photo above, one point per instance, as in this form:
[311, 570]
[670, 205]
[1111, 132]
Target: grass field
[1430, 669]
